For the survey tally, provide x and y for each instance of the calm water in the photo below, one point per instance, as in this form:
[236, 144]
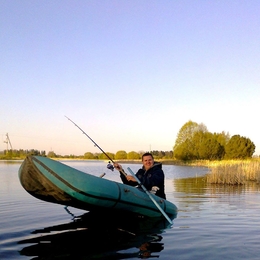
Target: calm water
[212, 223]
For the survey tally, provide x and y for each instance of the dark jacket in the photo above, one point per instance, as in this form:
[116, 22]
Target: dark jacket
[152, 177]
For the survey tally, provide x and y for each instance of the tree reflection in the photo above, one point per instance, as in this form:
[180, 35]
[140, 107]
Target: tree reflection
[198, 186]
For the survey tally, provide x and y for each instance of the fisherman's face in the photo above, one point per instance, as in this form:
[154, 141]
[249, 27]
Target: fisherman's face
[148, 162]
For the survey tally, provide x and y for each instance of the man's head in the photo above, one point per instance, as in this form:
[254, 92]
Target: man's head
[148, 160]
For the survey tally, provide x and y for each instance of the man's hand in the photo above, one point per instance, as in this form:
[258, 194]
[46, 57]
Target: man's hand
[118, 166]
[130, 178]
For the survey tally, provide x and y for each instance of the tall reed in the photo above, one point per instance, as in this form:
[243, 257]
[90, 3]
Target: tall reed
[234, 171]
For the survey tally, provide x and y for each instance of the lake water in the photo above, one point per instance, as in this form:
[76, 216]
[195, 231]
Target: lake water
[213, 222]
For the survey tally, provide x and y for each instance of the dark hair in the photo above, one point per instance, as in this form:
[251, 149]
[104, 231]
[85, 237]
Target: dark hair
[147, 154]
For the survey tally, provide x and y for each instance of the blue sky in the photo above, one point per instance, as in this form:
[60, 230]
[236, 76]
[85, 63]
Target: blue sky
[129, 73]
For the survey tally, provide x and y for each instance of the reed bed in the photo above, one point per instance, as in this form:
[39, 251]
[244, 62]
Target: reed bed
[234, 172]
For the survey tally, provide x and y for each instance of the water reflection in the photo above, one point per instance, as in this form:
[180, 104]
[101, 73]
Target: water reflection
[198, 198]
[99, 235]
[191, 185]
[199, 186]
[6, 162]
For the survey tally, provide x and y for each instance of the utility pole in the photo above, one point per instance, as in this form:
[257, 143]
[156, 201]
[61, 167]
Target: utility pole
[7, 141]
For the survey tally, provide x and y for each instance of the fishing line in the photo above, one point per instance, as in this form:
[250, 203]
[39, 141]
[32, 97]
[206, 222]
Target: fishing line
[122, 171]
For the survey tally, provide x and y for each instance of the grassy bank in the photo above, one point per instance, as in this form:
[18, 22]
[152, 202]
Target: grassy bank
[234, 172]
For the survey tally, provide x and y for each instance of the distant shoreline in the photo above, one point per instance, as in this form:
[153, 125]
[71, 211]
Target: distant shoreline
[165, 162]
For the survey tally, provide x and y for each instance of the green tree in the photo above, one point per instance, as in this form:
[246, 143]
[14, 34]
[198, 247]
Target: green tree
[33, 152]
[43, 153]
[162, 154]
[239, 148]
[183, 151]
[102, 156]
[89, 156]
[206, 146]
[168, 155]
[51, 154]
[121, 155]
[195, 142]
[187, 131]
[133, 155]
[222, 138]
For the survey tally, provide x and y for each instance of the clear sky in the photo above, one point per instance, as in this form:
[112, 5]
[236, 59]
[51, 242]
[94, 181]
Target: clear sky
[129, 73]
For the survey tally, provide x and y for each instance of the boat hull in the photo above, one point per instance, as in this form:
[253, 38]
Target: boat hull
[55, 182]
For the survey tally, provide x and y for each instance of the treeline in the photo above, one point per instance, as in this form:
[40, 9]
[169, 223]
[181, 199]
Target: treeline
[195, 142]
[20, 154]
[120, 155]
[123, 155]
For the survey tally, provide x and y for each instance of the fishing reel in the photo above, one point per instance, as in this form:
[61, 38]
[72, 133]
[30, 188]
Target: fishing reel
[110, 166]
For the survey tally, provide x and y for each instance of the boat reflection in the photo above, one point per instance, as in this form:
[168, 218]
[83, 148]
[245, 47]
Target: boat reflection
[100, 235]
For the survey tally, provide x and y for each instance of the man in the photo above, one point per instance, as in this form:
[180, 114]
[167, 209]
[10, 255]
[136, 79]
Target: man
[150, 175]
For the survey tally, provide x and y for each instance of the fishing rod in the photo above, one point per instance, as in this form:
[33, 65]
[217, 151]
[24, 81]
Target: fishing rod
[121, 170]
[150, 196]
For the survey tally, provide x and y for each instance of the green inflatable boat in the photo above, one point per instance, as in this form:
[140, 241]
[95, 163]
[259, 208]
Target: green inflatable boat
[55, 182]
